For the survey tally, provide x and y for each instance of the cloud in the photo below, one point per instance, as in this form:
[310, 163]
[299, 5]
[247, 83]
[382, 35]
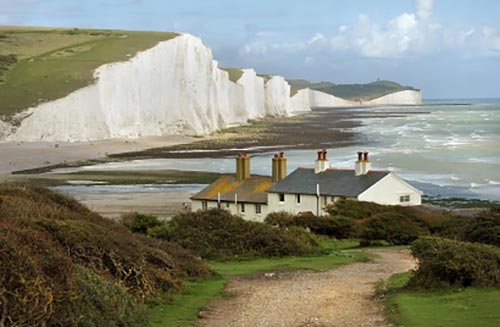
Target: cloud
[424, 8]
[407, 35]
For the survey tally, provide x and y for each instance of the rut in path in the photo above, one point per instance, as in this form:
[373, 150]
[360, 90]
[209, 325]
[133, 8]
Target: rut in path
[336, 298]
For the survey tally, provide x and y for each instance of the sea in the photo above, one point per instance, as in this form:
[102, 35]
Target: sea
[447, 148]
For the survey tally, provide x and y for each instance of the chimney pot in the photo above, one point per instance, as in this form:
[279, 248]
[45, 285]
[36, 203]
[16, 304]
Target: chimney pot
[324, 154]
[282, 154]
[319, 155]
[366, 156]
[360, 155]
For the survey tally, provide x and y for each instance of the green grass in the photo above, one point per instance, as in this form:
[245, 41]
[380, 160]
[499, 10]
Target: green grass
[363, 92]
[234, 73]
[68, 63]
[315, 263]
[453, 308]
[119, 177]
[185, 305]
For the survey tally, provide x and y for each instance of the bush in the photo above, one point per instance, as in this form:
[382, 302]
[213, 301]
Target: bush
[444, 263]
[280, 219]
[355, 209]
[140, 223]
[395, 228]
[485, 228]
[216, 234]
[63, 265]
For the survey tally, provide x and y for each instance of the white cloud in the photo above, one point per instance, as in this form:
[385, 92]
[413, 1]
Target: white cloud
[424, 8]
[255, 48]
[408, 35]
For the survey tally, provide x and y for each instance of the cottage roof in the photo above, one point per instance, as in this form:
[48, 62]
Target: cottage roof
[334, 182]
[250, 190]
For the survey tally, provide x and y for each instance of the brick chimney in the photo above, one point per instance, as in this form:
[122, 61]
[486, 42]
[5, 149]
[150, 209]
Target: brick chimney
[279, 168]
[362, 165]
[321, 164]
[242, 166]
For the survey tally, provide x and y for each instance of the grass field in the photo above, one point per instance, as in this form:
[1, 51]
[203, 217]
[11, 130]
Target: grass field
[119, 177]
[51, 63]
[363, 92]
[197, 294]
[452, 308]
[234, 74]
[186, 304]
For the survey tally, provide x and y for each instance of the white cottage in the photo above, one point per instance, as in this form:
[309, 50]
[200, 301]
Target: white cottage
[305, 190]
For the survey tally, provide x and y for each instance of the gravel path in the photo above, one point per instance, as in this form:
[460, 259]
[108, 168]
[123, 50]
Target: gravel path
[340, 297]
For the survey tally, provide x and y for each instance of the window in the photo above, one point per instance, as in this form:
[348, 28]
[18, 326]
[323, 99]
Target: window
[204, 205]
[404, 198]
[298, 198]
[258, 209]
[325, 200]
[242, 208]
[282, 197]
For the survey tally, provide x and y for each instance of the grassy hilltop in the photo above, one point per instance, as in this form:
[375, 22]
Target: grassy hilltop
[44, 64]
[363, 92]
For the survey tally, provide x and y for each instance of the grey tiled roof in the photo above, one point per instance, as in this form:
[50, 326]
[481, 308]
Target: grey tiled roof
[337, 182]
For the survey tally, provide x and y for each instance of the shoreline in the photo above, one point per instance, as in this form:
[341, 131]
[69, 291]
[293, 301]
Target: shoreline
[18, 156]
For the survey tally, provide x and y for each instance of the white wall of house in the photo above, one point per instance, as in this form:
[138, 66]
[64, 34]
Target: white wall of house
[307, 203]
[250, 212]
[392, 190]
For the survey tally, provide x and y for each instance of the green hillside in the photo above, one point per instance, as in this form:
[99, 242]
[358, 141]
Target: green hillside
[64, 265]
[363, 92]
[42, 64]
[234, 73]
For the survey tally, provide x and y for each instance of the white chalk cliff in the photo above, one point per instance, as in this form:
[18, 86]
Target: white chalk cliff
[173, 88]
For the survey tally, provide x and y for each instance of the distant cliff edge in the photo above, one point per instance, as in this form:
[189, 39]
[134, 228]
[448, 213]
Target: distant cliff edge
[174, 87]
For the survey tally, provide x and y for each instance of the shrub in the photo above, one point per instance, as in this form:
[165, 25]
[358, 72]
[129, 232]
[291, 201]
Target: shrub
[63, 265]
[395, 228]
[337, 226]
[216, 234]
[485, 228]
[140, 223]
[355, 209]
[445, 263]
[280, 219]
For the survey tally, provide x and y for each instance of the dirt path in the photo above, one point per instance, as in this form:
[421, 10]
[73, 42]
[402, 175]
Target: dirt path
[340, 297]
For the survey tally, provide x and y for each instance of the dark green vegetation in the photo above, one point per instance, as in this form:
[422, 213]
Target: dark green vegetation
[443, 308]
[63, 265]
[234, 73]
[51, 63]
[120, 177]
[251, 247]
[370, 222]
[216, 234]
[356, 92]
[445, 263]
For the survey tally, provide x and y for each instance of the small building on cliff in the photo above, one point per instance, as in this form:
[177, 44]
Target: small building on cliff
[305, 190]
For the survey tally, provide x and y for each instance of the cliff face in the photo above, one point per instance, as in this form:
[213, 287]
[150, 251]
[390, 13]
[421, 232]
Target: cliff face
[173, 88]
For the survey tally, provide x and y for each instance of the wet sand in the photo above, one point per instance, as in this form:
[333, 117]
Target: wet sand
[16, 156]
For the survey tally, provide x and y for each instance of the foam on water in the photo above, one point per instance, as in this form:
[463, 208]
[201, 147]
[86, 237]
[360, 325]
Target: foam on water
[447, 150]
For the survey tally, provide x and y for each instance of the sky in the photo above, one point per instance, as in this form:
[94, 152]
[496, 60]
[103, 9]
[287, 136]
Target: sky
[447, 48]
